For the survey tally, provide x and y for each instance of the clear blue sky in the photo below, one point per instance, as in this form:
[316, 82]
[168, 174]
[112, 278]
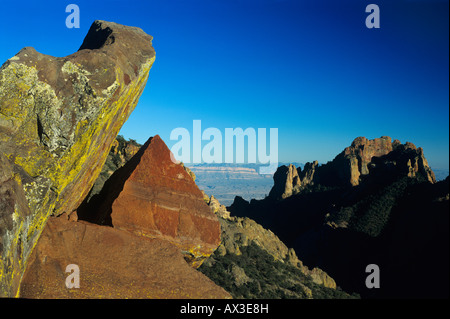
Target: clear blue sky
[309, 68]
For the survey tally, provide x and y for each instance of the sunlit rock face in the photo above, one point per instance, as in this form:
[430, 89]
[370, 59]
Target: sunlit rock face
[58, 119]
[154, 197]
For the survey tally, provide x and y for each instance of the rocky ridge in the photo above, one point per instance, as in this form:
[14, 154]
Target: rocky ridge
[238, 232]
[376, 202]
[363, 159]
[237, 236]
[240, 235]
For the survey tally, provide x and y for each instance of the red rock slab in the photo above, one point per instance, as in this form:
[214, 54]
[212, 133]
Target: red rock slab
[113, 264]
[154, 197]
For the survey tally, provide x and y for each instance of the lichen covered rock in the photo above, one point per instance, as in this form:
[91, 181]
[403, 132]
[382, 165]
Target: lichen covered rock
[58, 119]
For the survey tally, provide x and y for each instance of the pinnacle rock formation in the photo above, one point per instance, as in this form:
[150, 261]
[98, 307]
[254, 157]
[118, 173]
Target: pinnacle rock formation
[58, 120]
[154, 197]
[307, 174]
[286, 180]
[365, 154]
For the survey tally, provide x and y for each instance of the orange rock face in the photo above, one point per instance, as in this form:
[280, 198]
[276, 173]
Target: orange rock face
[410, 159]
[154, 197]
[112, 264]
[355, 163]
[361, 152]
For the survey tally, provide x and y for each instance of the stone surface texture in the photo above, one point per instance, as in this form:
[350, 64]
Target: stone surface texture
[112, 264]
[153, 196]
[58, 119]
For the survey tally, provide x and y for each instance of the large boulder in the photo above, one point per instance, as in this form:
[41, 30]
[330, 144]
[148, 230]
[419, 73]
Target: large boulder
[155, 197]
[58, 119]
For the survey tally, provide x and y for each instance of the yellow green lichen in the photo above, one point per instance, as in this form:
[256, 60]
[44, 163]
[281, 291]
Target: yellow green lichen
[54, 172]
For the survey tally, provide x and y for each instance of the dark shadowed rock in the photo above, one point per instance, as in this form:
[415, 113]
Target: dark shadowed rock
[376, 202]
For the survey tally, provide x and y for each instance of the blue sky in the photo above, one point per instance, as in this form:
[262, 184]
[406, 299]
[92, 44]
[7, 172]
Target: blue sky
[309, 68]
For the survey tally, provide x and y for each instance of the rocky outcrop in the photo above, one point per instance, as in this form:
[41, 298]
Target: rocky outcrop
[359, 155]
[413, 161]
[154, 197]
[362, 160]
[13, 208]
[122, 151]
[307, 174]
[58, 119]
[135, 259]
[113, 264]
[215, 206]
[392, 213]
[370, 157]
[238, 233]
[241, 232]
[289, 180]
[286, 182]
